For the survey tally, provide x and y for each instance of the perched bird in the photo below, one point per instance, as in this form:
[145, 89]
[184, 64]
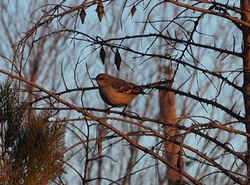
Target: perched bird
[117, 92]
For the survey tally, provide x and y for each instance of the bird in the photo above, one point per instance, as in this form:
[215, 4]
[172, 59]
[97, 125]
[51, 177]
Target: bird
[117, 92]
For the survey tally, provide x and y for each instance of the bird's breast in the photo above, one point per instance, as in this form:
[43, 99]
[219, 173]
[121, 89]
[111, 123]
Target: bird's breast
[115, 98]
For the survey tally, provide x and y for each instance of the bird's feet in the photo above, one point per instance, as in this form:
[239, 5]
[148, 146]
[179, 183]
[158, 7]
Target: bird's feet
[108, 110]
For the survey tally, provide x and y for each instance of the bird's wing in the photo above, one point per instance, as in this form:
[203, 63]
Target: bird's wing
[127, 87]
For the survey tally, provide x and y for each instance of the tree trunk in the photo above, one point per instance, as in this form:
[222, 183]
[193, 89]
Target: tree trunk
[168, 115]
[245, 5]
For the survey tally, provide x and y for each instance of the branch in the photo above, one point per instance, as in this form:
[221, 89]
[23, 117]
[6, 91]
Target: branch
[206, 11]
[102, 122]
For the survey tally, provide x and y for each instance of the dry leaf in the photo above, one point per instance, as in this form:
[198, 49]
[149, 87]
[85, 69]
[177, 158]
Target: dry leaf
[133, 10]
[82, 15]
[117, 59]
[102, 55]
[100, 12]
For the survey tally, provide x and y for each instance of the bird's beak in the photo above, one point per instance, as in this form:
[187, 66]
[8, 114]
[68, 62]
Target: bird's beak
[93, 78]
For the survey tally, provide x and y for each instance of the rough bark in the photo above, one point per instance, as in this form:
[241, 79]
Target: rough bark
[245, 5]
[168, 115]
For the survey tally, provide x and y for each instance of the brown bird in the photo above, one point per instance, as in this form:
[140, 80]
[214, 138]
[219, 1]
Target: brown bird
[117, 92]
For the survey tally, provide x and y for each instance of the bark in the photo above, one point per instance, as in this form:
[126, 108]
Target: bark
[168, 115]
[245, 5]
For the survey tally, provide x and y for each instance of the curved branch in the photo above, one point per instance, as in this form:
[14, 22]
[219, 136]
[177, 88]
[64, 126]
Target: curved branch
[206, 11]
[102, 122]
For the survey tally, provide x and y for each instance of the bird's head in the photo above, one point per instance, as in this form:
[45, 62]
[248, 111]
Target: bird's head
[103, 79]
